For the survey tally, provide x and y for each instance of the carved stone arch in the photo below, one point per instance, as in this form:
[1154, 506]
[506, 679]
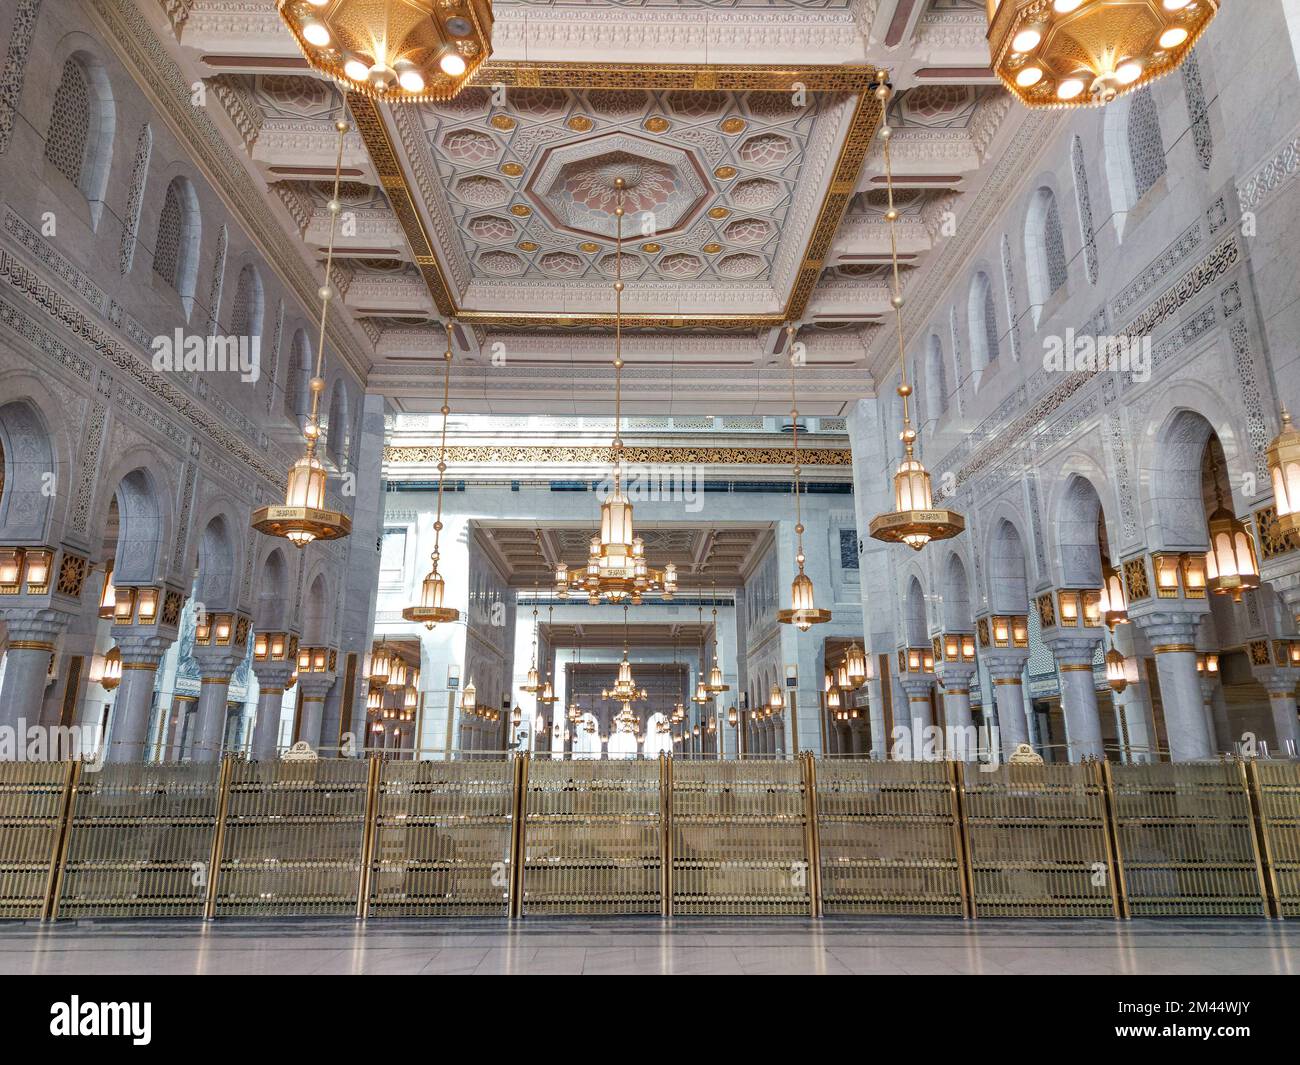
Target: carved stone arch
[1007, 571]
[913, 614]
[1077, 510]
[273, 586]
[216, 554]
[957, 615]
[982, 322]
[142, 520]
[317, 608]
[178, 239]
[1180, 424]
[80, 132]
[38, 461]
[248, 304]
[1046, 261]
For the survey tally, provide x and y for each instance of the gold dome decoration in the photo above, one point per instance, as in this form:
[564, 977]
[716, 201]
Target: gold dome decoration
[718, 212]
[511, 169]
[725, 173]
[1082, 53]
[580, 123]
[732, 125]
[303, 517]
[915, 520]
[589, 246]
[521, 210]
[398, 51]
[657, 124]
[503, 122]
[431, 610]
[526, 245]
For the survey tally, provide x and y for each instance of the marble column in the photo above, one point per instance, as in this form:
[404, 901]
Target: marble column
[1172, 636]
[315, 686]
[1280, 685]
[141, 653]
[1074, 663]
[1133, 704]
[271, 680]
[1006, 669]
[919, 715]
[955, 680]
[33, 634]
[216, 664]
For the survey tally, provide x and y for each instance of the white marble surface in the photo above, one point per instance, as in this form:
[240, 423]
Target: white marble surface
[616, 946]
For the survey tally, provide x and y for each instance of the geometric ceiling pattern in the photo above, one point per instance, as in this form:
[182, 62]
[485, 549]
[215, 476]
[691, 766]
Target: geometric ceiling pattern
[495, 205]
[520, 180]
[710, 179]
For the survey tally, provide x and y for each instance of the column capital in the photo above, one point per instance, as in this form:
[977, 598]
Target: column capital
[35, 625]
[955, 674]
[1170, 630]
[315, 685]
[1275, 681]
[272, 674]
[917, 686]
[217, 662]
[1074, 650]
[141, 646]
[1005, 665]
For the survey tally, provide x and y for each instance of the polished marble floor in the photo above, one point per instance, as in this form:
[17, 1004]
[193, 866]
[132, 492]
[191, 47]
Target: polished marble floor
[734, 946]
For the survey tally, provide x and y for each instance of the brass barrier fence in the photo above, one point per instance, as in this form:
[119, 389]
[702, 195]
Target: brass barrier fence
[593, 840]
[890, 838]
[1186, 840]
[441, 839]
[1037, 841]
[1275, 787]
[741, 839]
[525, 836]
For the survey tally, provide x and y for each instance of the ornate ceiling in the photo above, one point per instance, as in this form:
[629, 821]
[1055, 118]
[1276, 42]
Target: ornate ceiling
[752, 148]
[704, 554]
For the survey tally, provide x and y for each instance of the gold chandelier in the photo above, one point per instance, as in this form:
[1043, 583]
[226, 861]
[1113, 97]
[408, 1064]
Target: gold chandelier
[1284, 469]
[393, 50]
[1230, 564]
[616, 568]
[1114, 601]
[803, 613]
[715, 684]
[1072, 53]
[430, 609]
[303, 517]
[914, 520]
[625, 689]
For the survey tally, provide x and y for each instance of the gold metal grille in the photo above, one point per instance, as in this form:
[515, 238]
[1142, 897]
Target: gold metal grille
[1277, 786]
[890, 840]
[293, 837]
[441, 839]
[1186, 840]
[32, 807]
[1037, 841]
[592, 837]
[740, 838]
[140, 841]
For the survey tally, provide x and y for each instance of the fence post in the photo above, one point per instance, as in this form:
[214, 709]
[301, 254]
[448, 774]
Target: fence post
[59, 851]
[812, 834]
[515, 900]
[665, 834]
[960, 841]
[1259, 840]
[1114, 854]
[224, 776]
[369, 831]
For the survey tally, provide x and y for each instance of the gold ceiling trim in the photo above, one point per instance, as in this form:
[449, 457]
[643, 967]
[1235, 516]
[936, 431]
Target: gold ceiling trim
[862, 128]
[408, 454]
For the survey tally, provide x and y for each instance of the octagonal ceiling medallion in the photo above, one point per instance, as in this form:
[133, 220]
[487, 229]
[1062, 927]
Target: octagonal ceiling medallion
[574, 186]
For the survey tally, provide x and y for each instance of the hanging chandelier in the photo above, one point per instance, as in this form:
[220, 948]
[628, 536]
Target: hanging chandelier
[1116, 671]
[1114, 601]
[855, 666]
[616, 568]
[1230, 565]
[715, 684]
[303, 517]
[775, 700]
[1072, 53]
[914, 520]
[393, 50]
[430, 610]
[803, 613]
[1284, 469]
[625, 689]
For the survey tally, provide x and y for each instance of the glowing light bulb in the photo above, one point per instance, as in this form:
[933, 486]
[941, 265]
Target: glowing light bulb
[315, 33]
[452, 65]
